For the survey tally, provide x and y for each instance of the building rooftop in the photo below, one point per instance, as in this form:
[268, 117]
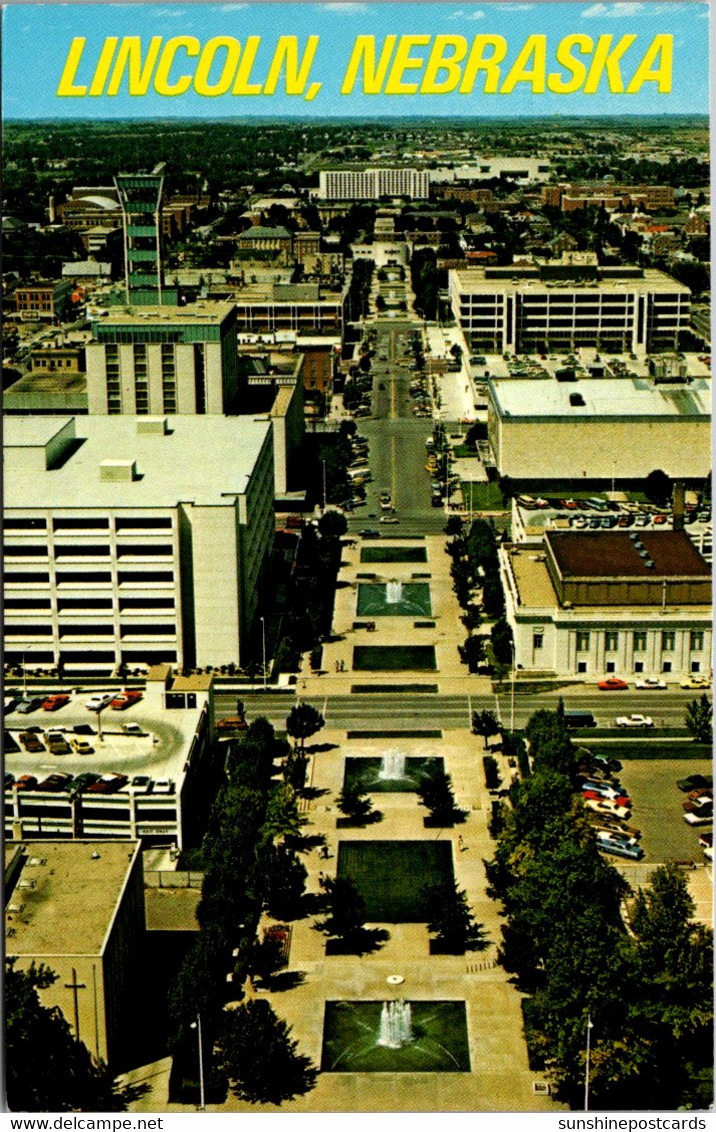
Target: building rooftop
[616, 554]
[201, 313]
[602, 397]
[50, 911]
[39, 381]
[264, 232]
[205, 460]
[477, 279]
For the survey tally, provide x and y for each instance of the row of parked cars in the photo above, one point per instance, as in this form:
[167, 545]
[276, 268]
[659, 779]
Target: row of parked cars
[609, 807]
[698, 806]
[89, 783]
[118, 701]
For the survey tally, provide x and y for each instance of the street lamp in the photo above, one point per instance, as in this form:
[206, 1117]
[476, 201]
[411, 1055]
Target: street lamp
[202, 1099]
[324, 484]
[263, 646]
[586, 1074]
[512, 691]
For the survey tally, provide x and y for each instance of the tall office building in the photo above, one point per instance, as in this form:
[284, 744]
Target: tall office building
[372, 184]
[140, 198]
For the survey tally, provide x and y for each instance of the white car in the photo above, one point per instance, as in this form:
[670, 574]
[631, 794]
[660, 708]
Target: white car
[607, 806]
[650, 684]
[615, 835]
[634, 720]
[696, 680]
[698, 819]
[100, 701]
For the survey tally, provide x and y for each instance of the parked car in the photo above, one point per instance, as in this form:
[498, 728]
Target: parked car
[698, 818]
[620, 799]
[28, 704]
[142, 782]
[85, 780]
[632, 852]
[613, 684]
[56, 783]
[610, 821]
[389, 519]
[99, 701]
[55, 701]
[634, 720]
[650, 684]
[108, 784]
[607, 834]
[607, 806]
[695, 782]
[9, 704]
[31, 742]
[125, 699]
[231, 723]
[696, 680]
[57, 744]
[82, 747]
[26, 782]
[703, 805]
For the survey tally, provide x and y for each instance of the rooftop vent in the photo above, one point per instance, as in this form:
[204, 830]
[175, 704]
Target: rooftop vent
[576, 399]
[152, 426]
[634, 536]
[118, 471]
[648, 562]
[643, 553]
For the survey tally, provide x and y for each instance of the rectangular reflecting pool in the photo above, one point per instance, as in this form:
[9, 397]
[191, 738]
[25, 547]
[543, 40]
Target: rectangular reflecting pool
[395, 1036]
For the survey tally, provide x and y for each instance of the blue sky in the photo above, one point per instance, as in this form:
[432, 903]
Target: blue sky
[37, 38]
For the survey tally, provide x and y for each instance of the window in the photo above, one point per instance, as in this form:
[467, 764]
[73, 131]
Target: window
[639, 666]
[666, 666]
[696, 640]
[537, 640]
[583, 642]
[611, 666]
[668, 642]
[640, 642]
[611, 642]
[582, 666]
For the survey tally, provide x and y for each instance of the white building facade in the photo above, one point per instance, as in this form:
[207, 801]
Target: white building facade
[135, 540]
[372, 184]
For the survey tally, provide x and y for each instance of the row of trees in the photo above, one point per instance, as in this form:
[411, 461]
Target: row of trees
[475, 565]
[646, 991]
[250, 864]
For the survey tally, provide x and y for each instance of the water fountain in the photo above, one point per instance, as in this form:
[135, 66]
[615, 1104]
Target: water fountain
[395, 1028]
[393, 593]
[392, 766]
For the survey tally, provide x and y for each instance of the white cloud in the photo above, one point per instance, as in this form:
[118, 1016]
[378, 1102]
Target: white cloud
[168, 13]
[347, 9]
[516, 7]
[613, 11]
[467, 14]
[230, 7]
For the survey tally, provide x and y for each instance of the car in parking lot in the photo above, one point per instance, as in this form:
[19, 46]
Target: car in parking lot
[56, 783]
[695, 782]
[368, 532]
[604, 833]
[108, 784]
[232, 723]
[57, 744]
[125, 699]
[82, 747]
[55, 701]
[634, 720]
[612, 684]
[607, 806]
[164, 786]
[698, 818]
[26, 782]
[31, 742]
[650, 684]
[99, 701]
[142, 782]
[389, 519]
[631, 852]
[85, 780]
[28, 704]
[607, 794]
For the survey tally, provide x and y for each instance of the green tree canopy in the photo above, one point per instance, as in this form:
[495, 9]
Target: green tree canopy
[344, 908]
[260, 1057]
[302, 721]
[47, 1070]
[699, 719]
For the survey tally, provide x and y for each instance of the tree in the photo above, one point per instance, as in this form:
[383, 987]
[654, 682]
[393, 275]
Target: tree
[454, 526]
[267, 957]
[332, 524]
[435, 793]
[344, 907]
[259, 1056]
[485, 723]
[302, 721]
[47, 1069]
[355, 803]
[502, 641]
[285, 882]
[699, 719]
[282, 816]
[240, 708]
[657, 487]
[450, 919]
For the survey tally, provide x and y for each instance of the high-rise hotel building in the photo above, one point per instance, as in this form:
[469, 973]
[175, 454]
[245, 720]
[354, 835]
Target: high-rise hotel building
[372, 184]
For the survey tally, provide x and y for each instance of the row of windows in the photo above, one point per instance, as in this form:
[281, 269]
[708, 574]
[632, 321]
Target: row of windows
[126, 577]
[87, 523]
[83, 551]
[34, 629]
[639, 640]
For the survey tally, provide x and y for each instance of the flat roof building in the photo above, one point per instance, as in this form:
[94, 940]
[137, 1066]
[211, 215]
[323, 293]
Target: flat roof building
[372, 184]
[563, 307]
[135, 539]
[78, 908]
[599, 429]
[600, 603]
[164, 359]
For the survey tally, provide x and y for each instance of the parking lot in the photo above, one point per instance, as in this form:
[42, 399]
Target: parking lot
[657, 807]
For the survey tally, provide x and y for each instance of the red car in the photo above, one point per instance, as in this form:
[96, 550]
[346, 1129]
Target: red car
[55, 701]
[612, 684]
[595, 796]
[125, 699]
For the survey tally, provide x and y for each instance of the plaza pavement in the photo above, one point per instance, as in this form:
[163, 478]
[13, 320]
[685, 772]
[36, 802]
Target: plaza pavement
[499, 1078]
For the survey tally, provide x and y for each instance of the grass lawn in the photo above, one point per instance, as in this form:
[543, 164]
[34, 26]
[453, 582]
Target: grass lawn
[484, 496]
[370, 774]
[394, 658]
[414, 600]
[438, 1040]
[393, 554]
[391, 875]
